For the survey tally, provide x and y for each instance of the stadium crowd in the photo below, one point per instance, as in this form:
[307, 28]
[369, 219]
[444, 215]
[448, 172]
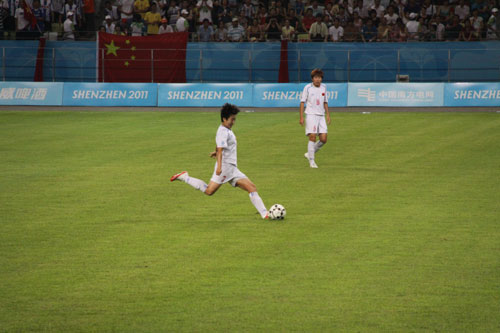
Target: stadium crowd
[257, 21]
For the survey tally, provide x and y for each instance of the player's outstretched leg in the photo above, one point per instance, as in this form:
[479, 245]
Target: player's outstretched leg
[322, 140]
[248, 186]
[194, 182]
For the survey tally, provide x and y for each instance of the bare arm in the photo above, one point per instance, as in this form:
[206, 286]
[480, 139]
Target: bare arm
[219, 161]
[301, 121]
[327, 113]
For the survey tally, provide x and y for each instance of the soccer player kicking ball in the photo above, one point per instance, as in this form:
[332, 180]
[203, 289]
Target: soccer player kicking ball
[226, 169]
[316, 101]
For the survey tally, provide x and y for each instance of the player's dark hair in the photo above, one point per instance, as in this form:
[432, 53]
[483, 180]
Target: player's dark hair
[227, 110]
[316, 72]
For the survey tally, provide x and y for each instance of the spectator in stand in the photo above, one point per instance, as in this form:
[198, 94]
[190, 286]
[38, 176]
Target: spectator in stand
[336, 32]
[378, 8]
[430, 8]
[4, 14]
[411, 7]
[477, 23]
[343, 16]
[221, 33]
[126, 8]
[294, 21]
[445, 9]
[73, 7]
[467, 34]
[165, 27]
[492, 32]
[22, 24]
[205, 8]
[453, 29]
[119, 31]
[383, 31]
[255, 32]
[280, 11]
[182, 23]
[482, 7]
[243, 20]
[373, 16]
[357, 21]
[318, 31]
[360, 10]
[412, 27]
[57, 10]
[462, 10]
[327, 21]
[287, 31]
[39, 14]
[248, 9]
[89, 17]
[109, 26]
[141, 7]
[369, 32]
[262, 17]
[440, 29]
[273, 30]
[351, 32]
[137, 26]
[391, 17]
[299, 7]
[153, 19]
[205, 32]
[399, 32]
[69, 27]
[316, 9]
[111, 11]
[46, 6]
[308, 19]
[173, 13]
[423, 30]
[236, 33]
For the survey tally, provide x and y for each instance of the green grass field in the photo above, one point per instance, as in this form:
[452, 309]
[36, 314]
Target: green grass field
[397, 231]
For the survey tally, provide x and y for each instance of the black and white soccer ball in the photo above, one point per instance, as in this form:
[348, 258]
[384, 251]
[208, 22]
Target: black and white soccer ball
[277, 212]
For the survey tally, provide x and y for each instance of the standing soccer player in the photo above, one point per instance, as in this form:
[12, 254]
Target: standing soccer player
[226, 169]
[316, 102]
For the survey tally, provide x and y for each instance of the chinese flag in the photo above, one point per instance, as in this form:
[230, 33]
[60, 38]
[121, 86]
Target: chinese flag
[28, 15]
[156, 58]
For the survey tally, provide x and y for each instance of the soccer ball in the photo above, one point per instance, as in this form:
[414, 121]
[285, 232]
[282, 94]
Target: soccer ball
[277, 212]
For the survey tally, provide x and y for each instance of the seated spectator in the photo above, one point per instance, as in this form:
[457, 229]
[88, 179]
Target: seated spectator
[360, 9]
[357, 21]
[378, 8]
[336, 32]
[254, 32]
[453, 29]
[423, 30]
[249, 9]
[462, 10]
[119, 31]
[383, 31]
[242, 19]
[482, 8]
[391, 17]
[109, 26]
[280, 11]
[299, 8]
[399, 32]
[316, 8]
[262, 17]
[205, 10]
[71, 6]
[373, 16]
[273, 30]
[467, 34]
[111, 11]
[141, 7]
[439, 29]
[477, 23]
[165, 27]
[182, 23]
[351, 32]
[57, 11]
[137, 27]
[318, 31]
[493, 32]
[411, 7]
[236, 33]
[430, 8]
[444, 9]
[412, 27]
[153, 19]
[221, 33]
[294, 21]
[46, 5]
[69, 27]
[205, 32]
[308, 20]
[287, 31]
[343, 16]
[369, 32]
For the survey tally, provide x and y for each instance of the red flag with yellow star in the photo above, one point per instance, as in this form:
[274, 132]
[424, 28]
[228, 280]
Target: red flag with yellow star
[155, 58]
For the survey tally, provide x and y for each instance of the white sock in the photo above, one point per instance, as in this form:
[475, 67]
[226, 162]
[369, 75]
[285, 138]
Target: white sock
[318, 146]
[311, 150]
[258, 203]
[196, 183]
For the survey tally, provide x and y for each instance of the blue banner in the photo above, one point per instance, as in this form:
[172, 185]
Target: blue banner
[289, 94]
[110, 94]
[31, 93]
[207, 94]
[395, 94]
[472, 94]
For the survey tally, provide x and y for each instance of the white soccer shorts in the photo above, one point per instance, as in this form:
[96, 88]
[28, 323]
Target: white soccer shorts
[315, 124]
[230, 173]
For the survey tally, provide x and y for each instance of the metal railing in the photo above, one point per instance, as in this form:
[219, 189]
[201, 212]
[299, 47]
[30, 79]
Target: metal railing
[378, 65]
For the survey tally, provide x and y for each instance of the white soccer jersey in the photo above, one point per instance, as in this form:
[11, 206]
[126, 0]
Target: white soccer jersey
[314, 99]
[226, 139]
